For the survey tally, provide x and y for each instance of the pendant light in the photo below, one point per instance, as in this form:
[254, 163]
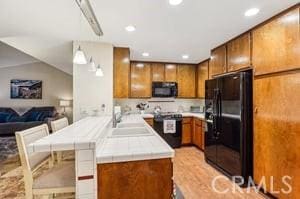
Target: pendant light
[99, 71]
[79, 57]
[92, 65]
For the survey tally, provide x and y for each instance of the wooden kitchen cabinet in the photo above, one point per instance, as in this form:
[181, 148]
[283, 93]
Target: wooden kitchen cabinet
[121, 72]
[276, 44]
[170, 72]
[197, 133]
[149, 121]
[158, 72]
[239, 53]
[143, 179]
[217, 64]
[140, 79]
[187, 130]
[277, 131]
[202, 75]
[186, 79]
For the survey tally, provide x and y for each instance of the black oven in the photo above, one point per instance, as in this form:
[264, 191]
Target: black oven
[164, 89]
[173, 139]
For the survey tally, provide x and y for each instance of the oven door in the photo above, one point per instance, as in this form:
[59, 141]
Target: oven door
[174, 140]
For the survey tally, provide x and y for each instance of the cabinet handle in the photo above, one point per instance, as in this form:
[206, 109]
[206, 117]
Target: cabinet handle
[255, 110]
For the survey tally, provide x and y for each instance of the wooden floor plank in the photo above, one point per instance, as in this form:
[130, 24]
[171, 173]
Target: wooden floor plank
[194, 177]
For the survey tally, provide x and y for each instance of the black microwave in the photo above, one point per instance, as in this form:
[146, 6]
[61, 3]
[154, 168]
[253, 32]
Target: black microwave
[164, 89]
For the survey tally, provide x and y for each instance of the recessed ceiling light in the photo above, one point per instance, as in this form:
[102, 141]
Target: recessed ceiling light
[145, 54]
[185, 56]
[130, 28]
[251, 12]
[175, 2]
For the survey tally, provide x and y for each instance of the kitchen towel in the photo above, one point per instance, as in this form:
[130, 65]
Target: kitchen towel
[169, 126]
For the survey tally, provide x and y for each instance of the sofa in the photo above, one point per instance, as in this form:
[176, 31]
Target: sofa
[11, 121]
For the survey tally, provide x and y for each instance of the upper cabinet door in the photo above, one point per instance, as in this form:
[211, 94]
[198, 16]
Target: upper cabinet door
[158, 72]
[239, 53]
[276, 44]
[186, 78]
[218, 61]
[202, 75]
[171, 73]
[140, 80]
[121, 72]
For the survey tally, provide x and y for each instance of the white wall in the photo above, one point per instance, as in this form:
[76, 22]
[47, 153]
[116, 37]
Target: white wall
[90, 92]
[56, 85]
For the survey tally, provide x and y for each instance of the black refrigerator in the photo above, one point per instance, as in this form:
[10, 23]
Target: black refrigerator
[228, 114]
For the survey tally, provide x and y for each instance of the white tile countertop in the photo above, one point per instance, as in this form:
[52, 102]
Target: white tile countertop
[82, 134]
[147, 115]
[197, 115]
[132, 148]
[94, 133]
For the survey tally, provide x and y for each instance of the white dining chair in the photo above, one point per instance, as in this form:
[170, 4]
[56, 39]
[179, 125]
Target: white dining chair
[57, 179]
[57, 125]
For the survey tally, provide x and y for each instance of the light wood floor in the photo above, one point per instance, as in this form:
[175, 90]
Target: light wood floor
[194, 178]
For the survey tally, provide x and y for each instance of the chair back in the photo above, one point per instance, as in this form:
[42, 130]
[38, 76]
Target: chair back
[59, 124]
[31, 161]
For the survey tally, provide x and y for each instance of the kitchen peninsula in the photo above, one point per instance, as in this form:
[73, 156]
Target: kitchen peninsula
[118, 162]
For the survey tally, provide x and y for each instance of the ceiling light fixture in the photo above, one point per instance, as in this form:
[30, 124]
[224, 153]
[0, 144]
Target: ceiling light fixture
[251, 12]
[185, 56]
[130, 28]
[92, 65]
[175, 2]
[145, 54]
[90, 16]
[99, 71]
[79, 57]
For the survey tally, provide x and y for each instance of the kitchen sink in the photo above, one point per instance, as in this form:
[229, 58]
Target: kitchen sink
[130, 125]
[130, 132]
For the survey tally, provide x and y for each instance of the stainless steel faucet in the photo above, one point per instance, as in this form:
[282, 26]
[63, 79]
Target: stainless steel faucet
[117, 117]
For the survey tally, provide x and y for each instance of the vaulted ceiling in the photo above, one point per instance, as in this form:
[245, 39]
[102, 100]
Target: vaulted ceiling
[45, 29]
[10, 56]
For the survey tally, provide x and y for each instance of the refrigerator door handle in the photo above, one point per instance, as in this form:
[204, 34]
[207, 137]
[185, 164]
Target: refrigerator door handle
[215, 111]
[209, 121]
[219, 112]
[219, 103]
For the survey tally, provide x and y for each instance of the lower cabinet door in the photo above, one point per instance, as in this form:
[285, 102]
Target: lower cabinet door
[149, 121]
[197, 136]
[186, 133]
